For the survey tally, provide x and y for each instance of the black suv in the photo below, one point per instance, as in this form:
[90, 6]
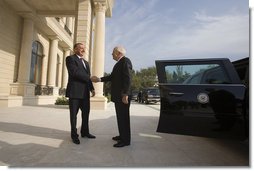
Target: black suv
[150, 95]
[134, 95]
[204, 97]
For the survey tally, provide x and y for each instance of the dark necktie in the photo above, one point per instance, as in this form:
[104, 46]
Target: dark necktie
[81, 59]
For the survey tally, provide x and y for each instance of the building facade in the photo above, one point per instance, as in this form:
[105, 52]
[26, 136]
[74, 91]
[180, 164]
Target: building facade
[35, 38]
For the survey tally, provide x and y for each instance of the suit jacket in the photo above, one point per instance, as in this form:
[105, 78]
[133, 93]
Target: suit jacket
[79, 83]
[120, 78]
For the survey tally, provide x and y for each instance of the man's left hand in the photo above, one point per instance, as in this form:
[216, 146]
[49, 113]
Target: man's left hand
[125, 99]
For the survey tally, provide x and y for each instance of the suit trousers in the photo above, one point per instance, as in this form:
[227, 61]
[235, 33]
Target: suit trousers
[123, 121]
[74, 106]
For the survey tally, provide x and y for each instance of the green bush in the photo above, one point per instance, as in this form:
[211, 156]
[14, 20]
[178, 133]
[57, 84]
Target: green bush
[108, 96]
[62, 101]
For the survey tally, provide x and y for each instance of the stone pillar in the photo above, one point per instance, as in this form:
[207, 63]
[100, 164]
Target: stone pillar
[83, 32]
[69, 23]
[99, 47]
[52, 64]
[65, 71]
[26, 51]
[59, 72]
[44, 70]
[83, 25]
[23, 87]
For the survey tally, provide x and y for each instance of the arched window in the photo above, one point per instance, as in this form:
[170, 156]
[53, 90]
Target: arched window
[36, 63]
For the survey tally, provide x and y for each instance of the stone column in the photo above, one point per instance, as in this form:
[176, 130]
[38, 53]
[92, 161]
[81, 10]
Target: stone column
[23, 87]
[44, 70]
[52, 64]
[83, 24]
[69, 23]
[59, 72]
[26, 51]
[65, 72]
[83, 28]
[99, 47]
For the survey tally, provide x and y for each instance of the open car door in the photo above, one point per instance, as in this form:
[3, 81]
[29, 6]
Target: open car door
[201, 97]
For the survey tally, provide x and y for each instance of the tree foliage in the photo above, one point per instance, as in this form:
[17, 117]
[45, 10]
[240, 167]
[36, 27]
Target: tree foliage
[144, 78]
[140, 79]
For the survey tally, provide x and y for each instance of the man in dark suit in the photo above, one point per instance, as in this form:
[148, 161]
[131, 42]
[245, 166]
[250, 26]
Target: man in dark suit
[120, 94]
[78, 90]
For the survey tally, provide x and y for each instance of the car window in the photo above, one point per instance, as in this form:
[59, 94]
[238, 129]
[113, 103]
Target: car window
[196, 74]
[193, 79]
[215, 76]
[153, 91]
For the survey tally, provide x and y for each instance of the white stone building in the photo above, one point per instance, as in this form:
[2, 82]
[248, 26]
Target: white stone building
[35, 38]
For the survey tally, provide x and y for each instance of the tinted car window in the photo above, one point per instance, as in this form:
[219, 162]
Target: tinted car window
[196, 74]
[194, 79]
[153, 91]
[215, 76]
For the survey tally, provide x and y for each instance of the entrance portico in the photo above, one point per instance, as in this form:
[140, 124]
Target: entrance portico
[56, 26]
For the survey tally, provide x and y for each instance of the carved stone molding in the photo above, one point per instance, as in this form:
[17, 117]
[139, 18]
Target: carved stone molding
[99, 7]
[43, 90]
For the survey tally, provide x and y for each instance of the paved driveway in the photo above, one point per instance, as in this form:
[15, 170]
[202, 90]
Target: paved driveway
[39, 136]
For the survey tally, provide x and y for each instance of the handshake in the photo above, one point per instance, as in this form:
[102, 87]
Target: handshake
[95, 79]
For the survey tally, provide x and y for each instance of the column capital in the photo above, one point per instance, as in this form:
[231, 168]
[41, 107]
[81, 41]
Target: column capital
[99, 7]
[27, 15]
[67, 48]
[54, 38]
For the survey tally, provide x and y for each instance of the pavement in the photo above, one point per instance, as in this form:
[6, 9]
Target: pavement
[39, 136]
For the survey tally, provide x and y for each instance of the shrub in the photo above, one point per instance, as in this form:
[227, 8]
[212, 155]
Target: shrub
[108, 96]
[62, 101]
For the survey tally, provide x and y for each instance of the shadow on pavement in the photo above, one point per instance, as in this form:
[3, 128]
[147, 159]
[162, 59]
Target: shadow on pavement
[24, 145]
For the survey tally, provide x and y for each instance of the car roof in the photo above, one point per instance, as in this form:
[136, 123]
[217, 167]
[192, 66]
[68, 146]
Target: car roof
[193, 60]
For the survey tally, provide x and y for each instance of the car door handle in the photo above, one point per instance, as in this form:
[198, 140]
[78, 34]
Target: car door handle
[176, 94]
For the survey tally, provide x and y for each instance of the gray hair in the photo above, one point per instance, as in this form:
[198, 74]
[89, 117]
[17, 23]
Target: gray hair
[120, 49]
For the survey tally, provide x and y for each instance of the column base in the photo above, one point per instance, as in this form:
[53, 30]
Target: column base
[14, 101]
[55, 91]
[98, 103]
[22, 89]
[11, 101]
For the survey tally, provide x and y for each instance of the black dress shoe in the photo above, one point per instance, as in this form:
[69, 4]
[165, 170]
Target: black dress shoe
[88, 136]
[76, 141]
[121, 144]
[116, 138]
